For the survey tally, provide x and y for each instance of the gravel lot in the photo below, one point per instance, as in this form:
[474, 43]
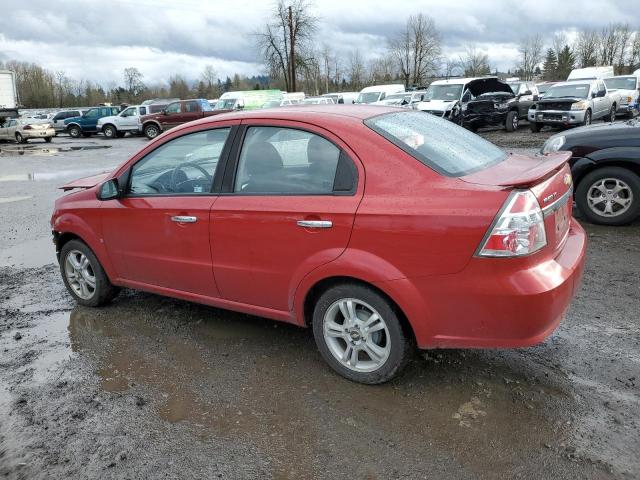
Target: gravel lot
[151, 387]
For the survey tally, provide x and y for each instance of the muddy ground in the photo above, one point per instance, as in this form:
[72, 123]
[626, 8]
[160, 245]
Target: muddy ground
[150, 387]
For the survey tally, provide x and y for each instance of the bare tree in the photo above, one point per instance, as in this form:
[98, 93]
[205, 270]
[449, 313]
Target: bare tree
[417, 49]
[290, 31]
[609, 44]
[133, 81]
[634, 55]
[474, 62]
[451, 67]
[326, 60]
[356, 70]
[586, 48]
[531, 55]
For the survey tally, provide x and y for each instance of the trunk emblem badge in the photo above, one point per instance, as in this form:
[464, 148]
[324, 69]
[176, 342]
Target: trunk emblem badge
[567, 179]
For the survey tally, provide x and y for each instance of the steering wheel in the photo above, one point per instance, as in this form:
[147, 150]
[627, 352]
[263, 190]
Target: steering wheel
[179, 168]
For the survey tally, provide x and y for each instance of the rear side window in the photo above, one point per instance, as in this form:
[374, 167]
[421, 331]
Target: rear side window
[191, 107]
[440, 144]
[287, 161]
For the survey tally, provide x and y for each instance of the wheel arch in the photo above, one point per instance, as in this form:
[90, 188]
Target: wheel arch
[151, 122]
[73, 124]
[109, 125]
[623, 158]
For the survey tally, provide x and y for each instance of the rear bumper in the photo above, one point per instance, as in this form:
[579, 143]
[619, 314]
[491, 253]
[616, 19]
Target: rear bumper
[49, 132]
[494, 303]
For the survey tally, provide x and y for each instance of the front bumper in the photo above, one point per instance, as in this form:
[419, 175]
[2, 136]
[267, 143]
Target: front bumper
[485, 118]
[496, 303]
[557, 117]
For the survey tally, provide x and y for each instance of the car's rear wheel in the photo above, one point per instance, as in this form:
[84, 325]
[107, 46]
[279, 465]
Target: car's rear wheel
[612, 114]
[109, 131]
[359, 334]
[535, 127]
[48, 139]
[609, 196]
[20, 138]
[512, 121]
[74, 131]
[121, 134]
[587, 118]
[151, 131]
[83, 275]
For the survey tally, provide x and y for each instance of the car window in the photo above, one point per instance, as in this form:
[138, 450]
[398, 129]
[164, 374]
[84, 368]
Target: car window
[58, 116]
[191, 107]
[438, 143]
[183, 166]
[128, 112]
[286, 161]
[143, 110]
[173, 108]
[93, 113]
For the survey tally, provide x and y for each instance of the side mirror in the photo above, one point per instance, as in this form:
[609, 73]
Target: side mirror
[536, 97]
[602, 93]
[594, 94]
[109, 190]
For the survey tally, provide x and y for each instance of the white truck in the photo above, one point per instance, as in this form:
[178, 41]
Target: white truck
[127, 121]
[8, 95]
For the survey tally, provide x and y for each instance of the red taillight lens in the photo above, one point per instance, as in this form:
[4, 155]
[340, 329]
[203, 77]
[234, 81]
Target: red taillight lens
[27, 127]
[518, 230]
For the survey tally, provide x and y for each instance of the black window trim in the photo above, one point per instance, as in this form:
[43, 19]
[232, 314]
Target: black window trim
[233, 161]
[217, 176]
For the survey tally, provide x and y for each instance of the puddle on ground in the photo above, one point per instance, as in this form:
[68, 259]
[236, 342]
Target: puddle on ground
[231, 375]
[48, 176]
[14, 199]
[55, 329]
[37, 150]
[31, 254]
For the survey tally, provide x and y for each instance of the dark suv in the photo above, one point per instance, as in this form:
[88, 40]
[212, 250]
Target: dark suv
[498, 103]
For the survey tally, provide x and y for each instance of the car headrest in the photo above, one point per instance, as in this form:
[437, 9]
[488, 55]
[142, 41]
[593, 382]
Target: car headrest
[321, 152]
[262, 158]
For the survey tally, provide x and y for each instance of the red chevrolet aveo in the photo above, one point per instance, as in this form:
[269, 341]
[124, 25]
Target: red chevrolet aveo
[380, 228]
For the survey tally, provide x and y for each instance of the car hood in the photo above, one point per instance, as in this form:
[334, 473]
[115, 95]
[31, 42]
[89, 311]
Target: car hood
[542, 101]
[86, 182]
[486, 85]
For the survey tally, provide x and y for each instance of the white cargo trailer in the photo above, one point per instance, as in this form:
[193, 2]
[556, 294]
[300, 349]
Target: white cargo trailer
[8, 95]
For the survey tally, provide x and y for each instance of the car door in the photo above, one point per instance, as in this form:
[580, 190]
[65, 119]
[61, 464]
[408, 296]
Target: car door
[603, 103]
[157, 233]
[287, 206]
[172, 115]
[128, 119]
[191, 111]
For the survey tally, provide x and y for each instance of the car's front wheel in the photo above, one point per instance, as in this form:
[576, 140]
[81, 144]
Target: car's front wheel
[359, 334]
[609, 196]
[83, 275]
[74, 131]
[612, 114]
[110, 131]
[511, 123]
[587, 118]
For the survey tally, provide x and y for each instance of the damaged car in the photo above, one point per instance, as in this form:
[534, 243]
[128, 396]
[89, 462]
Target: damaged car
[497, 103]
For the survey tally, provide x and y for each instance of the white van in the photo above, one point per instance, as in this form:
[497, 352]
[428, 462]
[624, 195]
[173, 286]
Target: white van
[591, 73]
[376, 93]
[627, 87]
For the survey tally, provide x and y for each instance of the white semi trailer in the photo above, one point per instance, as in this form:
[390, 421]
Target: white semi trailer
[8, 95]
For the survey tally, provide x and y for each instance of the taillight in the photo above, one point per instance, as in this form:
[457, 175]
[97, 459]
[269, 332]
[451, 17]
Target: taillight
[27, 127]
[517, 230]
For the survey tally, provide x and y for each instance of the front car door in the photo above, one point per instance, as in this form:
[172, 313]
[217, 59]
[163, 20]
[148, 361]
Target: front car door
[287, 206]
[172, 116]
[128, 119]
[158, 233]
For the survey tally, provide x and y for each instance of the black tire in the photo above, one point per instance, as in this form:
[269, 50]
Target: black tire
[104, 291]
[121, 134]
[628, 177]
[48, 139]
[511, 123]
[151, 131]
[110, 131]
[535, 126]
[20, 138]
[74, 131]
[612, 114]
[401, 342]
[587, 118]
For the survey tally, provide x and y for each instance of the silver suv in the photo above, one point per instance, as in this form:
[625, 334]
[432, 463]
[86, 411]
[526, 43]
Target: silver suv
[578, 102]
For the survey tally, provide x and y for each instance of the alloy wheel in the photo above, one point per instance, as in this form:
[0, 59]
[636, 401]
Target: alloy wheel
[80, 274]
[609, 197]
[357, 335]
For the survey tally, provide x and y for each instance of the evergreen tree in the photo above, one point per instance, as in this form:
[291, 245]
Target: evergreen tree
[550, 65]
[566, 63]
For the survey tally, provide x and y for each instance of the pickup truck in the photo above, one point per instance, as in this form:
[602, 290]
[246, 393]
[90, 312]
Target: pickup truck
[174, 114]
[577, 102]
[87, 124]
[127, 121]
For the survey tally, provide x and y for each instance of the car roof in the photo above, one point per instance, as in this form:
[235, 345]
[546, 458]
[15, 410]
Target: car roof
[574, 82]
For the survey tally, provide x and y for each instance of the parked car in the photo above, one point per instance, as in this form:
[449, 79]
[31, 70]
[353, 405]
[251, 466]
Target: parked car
[57, 121]
[87, 124]
[591, 73]
[543, 87]
[628, 89]
[343, 98]
[407, 99]
[376, 93]
[497, 103]
[467, 246]
[573, 103]
[281, 103]
[445, 98]
[23, 130]
[127, 121]
[246, 100]
[317, 101]
[605, 164]
[175, 114]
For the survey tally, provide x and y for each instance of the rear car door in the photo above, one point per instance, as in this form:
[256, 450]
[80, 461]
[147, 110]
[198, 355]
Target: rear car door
[287, 206]
[158, 233]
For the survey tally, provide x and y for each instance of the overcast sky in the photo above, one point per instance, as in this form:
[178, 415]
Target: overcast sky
[97, 40]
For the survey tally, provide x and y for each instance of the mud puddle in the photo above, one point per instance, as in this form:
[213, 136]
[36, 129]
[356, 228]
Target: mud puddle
[44, 151]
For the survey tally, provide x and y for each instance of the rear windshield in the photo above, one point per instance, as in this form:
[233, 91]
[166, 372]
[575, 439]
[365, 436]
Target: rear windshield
[440, 144]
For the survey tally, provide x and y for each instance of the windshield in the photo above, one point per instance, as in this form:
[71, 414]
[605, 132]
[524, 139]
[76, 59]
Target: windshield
[578, 90]
[443, 92]
[621, 83]
[428, 139]
[515, 86]
[368, 97]
[543, 88]
[227, 104]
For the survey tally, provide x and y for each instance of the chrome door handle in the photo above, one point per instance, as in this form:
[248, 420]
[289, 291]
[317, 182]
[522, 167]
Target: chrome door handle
[184, 219]
[315, 223]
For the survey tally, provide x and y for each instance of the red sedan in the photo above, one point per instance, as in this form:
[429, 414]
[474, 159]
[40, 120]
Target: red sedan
[380, 228]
